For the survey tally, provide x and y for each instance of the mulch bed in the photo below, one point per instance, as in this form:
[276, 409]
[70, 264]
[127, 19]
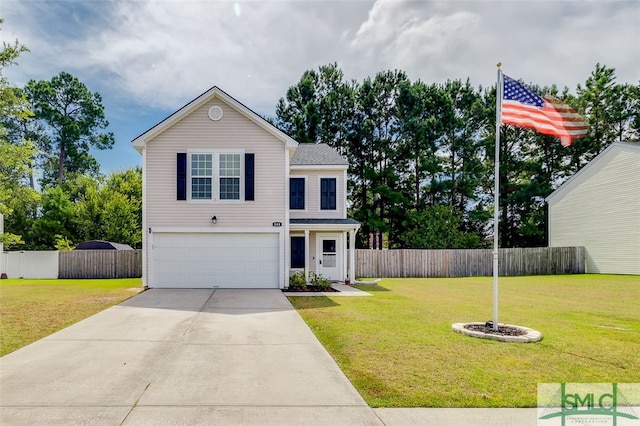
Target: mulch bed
[503, 330]
[310, 289]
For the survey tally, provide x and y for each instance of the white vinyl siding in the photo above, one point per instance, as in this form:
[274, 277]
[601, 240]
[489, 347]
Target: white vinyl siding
[196, 133]
[598, 209]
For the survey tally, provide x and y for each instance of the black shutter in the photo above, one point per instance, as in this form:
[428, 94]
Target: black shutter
[327, 194]
[323, 194]
[181, 176]
[249, 177]
[296, 193]
[332, 194]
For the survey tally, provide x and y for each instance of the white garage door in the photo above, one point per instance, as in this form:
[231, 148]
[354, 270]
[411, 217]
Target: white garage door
[224, 260]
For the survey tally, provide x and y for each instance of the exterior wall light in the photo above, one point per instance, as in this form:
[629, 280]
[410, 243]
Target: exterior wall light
[214, 219]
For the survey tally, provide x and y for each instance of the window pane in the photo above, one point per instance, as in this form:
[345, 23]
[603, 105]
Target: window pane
[201, 188]
[230, 165]
[201, 164]
[229, 188]
[328, 246]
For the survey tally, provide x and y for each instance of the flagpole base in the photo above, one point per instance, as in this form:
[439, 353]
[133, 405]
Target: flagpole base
[506, 332]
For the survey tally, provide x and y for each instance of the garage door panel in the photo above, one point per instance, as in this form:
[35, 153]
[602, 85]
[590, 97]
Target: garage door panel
[225, 260]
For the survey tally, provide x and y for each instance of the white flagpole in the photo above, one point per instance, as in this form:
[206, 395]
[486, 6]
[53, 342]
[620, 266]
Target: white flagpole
[496, 197]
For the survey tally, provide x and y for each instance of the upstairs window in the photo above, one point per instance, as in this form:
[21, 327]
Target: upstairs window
[214, 176]
[327, 193]
[296, 193]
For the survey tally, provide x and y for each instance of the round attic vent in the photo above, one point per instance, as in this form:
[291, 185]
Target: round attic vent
[215, 113]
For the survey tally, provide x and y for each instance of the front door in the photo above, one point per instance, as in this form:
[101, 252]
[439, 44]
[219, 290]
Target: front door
[329, 256]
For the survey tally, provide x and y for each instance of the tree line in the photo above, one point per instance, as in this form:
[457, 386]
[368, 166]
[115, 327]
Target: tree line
[421, 155]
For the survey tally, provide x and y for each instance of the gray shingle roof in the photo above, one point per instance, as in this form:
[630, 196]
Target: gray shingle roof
[310, 154]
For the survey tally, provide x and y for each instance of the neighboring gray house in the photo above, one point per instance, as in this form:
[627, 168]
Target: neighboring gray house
[599, 208]
[229, 200]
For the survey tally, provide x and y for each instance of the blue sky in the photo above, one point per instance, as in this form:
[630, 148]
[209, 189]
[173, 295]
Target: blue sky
[149, 58]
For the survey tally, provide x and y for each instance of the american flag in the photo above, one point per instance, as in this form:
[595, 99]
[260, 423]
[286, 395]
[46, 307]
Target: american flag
[524, 108]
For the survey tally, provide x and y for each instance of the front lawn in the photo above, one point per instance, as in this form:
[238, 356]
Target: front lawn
[398, 349]
[33, 309]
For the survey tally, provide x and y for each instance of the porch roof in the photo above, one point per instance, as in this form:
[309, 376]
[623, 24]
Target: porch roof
[321, 223]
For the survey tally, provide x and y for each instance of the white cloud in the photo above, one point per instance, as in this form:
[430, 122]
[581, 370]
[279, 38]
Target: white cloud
[162, 53]
[405, 36]
[418, 38]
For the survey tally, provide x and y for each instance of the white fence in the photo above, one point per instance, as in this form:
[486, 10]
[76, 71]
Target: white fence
[29, 264]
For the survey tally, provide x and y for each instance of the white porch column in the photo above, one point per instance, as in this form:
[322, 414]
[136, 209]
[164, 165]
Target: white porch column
[352, 255]
[307, 254]
[345, 255]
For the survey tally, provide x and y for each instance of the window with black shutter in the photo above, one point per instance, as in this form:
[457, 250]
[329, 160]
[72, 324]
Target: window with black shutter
[296, 193]
[328, 193]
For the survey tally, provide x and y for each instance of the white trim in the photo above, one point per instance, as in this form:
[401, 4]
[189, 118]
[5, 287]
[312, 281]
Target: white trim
[307, 255]
[327, 211]
[215, 230]
[345, 255]
[149, 258]
[282, 249]
[286, 263]
[331, 227]
[209, 95]
[352, 255]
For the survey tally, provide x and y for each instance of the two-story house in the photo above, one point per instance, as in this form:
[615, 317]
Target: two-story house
[230, 201]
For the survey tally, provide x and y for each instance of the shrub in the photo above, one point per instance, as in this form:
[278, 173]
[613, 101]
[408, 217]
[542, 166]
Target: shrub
[319, 281]
[297, 281]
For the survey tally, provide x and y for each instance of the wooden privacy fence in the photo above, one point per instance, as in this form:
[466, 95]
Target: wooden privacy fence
[100, 264]
[469, 263]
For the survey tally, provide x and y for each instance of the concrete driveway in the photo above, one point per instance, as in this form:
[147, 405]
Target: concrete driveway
[181, 357]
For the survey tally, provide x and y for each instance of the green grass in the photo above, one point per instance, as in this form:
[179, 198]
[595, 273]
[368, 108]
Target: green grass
[33, 309]
[398, 349]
